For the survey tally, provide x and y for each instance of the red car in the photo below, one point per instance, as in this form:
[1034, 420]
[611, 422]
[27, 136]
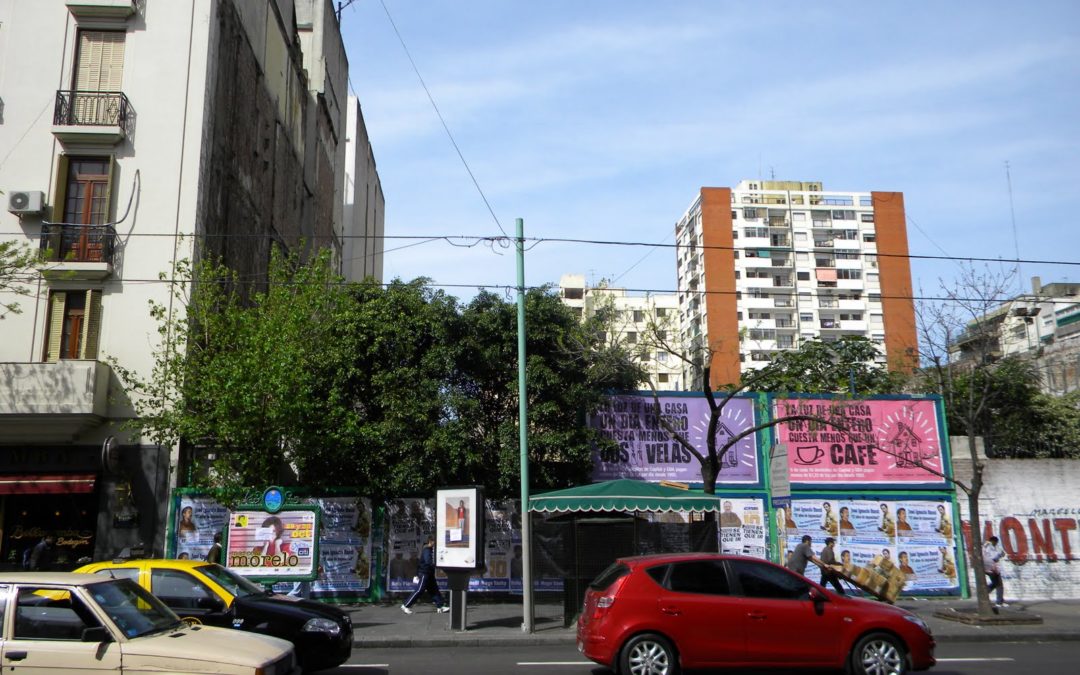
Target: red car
[654, 615]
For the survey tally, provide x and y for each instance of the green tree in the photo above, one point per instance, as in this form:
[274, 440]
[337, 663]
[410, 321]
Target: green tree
[963, 322]
[846, 366]
[17, 264]
[251, 379]
[569, 369]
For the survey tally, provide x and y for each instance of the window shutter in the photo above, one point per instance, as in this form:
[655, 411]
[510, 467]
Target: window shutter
[56, 326]
[59, 195]
[101, 61]
[91, 326]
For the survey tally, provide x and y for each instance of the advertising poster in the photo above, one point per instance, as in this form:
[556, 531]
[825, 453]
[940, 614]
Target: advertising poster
[910, 533]
[345, 546]
[646, 451]
[409, 521]
[883, 442]
[503, 554]
[197, 520]
[742, 527]
[283, 544]
[458, 525]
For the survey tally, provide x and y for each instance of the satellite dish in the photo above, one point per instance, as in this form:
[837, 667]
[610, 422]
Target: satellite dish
[110, 456]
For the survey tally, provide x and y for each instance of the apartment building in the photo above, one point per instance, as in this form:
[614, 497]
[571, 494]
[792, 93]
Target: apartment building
[137, 134]
[635, 317]
[768, 264]
[1043, 326]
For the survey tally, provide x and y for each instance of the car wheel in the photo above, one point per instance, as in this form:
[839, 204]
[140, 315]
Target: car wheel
[878, 654]
[648, 654]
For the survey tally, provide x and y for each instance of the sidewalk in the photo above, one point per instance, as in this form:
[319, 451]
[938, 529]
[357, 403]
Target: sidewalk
[499, 624]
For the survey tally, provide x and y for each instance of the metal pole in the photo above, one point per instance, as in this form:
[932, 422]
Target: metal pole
[523, 434]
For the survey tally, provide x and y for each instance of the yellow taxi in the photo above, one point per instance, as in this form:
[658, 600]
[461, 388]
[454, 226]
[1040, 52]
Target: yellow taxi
[207, 593]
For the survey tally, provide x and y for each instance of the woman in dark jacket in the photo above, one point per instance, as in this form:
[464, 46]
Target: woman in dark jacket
[425, 580]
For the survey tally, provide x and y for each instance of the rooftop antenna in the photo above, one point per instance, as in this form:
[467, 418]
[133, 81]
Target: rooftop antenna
[1012, 217]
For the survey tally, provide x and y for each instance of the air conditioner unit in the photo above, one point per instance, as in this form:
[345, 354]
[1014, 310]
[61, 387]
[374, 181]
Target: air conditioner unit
[24, 202]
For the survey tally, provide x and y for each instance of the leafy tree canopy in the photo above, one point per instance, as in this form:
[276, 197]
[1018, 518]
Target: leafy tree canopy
[841, 367]
[396, 390]
[16, 262]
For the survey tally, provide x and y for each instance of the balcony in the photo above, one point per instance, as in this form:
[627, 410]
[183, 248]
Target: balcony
[823, 243]
[52, 402]
[98, 117]
[101, 9]
[79, 251]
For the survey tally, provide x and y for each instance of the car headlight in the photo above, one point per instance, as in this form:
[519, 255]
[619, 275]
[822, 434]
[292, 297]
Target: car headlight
[321, 626]
[918, 622]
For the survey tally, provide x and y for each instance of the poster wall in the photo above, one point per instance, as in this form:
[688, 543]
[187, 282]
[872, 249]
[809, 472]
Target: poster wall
[884, 442]
[409, 522]
[344, 546]
[917, 535]
[197, 520]
[646, 451]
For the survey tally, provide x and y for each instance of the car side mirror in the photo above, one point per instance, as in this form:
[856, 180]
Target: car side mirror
[96, 634]
[817, 596]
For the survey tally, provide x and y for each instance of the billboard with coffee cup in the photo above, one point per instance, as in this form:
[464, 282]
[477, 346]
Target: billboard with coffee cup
[879, 442]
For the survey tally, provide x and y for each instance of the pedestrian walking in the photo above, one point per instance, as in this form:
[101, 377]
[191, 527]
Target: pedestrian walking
[828, 558]
[214, 554]
[992, 555]
[41, 557]
[425, 580]
[802, 554]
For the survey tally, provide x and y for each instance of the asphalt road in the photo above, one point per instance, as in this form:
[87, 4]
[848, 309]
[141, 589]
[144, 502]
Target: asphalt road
[1020, 658]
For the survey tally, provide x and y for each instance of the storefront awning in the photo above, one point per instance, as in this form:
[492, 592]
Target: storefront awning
[623, 495]
[52, 484]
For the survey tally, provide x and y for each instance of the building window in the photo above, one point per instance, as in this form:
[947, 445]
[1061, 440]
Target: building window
[84, 191]
[639, 316]
[866, 217]
[662, 378]
[573, 293]
[800, 236]
[750, 213]
[806, 317]
[74, 323]
[734, 215]
[803, 276]
[802, 256]
[631, 338]
[869, 237]
[661, 357]
[848, 274]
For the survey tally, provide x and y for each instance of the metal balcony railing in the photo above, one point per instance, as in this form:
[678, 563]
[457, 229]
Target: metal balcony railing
[91, 108]
[78, 243]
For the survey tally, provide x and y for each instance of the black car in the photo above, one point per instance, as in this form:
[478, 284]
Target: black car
[206, 593]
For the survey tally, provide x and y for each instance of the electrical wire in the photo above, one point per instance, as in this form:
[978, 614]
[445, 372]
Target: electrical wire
[441, 120]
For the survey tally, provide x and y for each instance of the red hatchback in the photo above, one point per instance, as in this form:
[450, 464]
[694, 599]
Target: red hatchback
[653, 615]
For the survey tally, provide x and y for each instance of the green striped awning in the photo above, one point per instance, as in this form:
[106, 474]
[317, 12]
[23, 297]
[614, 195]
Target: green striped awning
[623, 495]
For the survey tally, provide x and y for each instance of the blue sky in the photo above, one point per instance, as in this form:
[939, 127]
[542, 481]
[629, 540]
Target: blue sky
[602, 119]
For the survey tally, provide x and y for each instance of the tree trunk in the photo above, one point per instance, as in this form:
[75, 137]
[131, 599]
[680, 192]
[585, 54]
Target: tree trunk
[981, 594]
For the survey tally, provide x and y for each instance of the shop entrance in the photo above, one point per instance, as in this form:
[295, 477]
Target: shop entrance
[27, 518]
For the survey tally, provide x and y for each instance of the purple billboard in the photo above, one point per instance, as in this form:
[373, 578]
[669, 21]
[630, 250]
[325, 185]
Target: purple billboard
[647, 451]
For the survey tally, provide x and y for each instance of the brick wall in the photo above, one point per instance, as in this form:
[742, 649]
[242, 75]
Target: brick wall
[1033, 507]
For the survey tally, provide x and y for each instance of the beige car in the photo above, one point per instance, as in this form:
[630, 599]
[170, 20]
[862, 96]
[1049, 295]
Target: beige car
[83, 623]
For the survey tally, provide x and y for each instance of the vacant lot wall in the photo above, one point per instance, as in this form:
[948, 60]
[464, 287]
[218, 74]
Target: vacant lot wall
[1033, 506]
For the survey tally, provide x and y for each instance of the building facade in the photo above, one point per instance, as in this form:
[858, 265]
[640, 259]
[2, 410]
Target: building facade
[641, 323]
[766, 265]
[1043, 326]
[136, 135]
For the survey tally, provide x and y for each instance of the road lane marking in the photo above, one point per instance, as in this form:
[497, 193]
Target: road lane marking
[364, 665]
[976, 658]
[556, 663]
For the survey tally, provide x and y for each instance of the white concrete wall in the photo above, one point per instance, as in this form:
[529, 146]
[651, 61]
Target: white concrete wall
[156, 165]
[1033, 506]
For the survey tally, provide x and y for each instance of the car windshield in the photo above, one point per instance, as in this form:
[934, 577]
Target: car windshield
[133, 609]
[232, 582]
